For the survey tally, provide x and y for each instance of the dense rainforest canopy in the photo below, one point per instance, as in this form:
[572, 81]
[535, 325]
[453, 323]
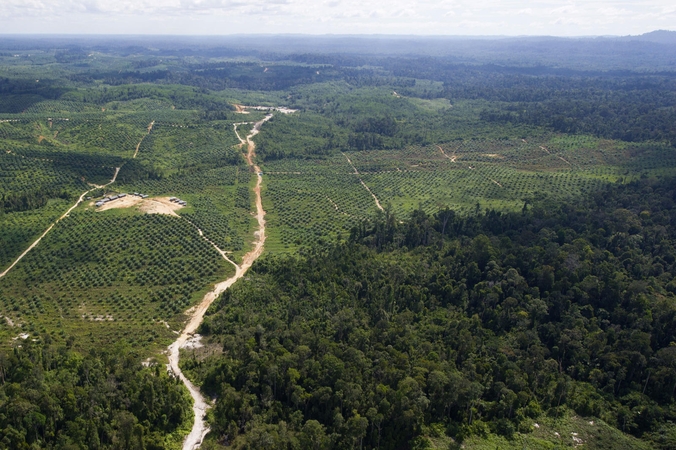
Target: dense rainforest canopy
[464, 324]
[54, 397]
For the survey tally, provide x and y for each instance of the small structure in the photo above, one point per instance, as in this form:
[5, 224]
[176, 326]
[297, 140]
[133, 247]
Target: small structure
[172, 199]
[182, 202]
[121, 195]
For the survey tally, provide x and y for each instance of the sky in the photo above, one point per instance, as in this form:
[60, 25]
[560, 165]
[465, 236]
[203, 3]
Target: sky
[421, 17]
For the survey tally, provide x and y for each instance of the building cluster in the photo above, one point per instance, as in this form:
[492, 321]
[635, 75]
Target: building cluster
[178, 201]
[112, 198]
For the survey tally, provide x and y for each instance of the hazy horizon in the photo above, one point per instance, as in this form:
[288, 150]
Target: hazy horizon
[488, 18]
[327, 35]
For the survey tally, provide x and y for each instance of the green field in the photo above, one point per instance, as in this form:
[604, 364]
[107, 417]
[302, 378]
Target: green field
[312, 199]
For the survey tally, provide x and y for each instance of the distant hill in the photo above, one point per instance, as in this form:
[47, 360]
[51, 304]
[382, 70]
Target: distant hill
[658, 36]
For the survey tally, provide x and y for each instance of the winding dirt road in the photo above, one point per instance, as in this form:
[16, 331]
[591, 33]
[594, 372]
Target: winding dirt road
[37, 241]
[200, 428]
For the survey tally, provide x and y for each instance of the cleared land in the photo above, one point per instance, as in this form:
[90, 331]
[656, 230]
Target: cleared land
[157, 205]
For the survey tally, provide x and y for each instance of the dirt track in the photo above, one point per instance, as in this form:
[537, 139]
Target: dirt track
[200, 428]
[452, 158]
[37, 241]
[138, 146]
[356, 172]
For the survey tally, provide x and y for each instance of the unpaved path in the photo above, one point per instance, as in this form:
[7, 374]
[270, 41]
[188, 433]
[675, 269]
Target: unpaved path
[94, 186]
[452, 158]
[564, 160]
[150, 128]
[37, 241]
[223, 253]
[558, 156]
[200, 428]
[356, 172]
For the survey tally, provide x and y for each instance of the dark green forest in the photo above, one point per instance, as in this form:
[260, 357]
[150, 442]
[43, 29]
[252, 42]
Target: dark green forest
[475, 324]
[52, 396]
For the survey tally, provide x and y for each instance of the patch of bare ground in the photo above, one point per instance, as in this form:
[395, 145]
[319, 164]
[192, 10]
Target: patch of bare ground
[98, 317]
[121, 203]
[157, 205]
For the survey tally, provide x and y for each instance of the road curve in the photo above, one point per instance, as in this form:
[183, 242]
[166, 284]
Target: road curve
[200, 406]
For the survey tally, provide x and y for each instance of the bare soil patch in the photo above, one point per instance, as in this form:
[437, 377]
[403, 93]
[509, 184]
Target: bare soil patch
[240, 109]
[158, 205]
[125, 202]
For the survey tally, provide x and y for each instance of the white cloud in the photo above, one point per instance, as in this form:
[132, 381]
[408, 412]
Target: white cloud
[567, 17]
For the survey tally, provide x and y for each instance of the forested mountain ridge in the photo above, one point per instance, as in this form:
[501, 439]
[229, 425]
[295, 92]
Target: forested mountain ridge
[471, 324]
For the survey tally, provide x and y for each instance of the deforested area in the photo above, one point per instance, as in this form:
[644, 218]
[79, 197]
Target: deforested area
[264, 242]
